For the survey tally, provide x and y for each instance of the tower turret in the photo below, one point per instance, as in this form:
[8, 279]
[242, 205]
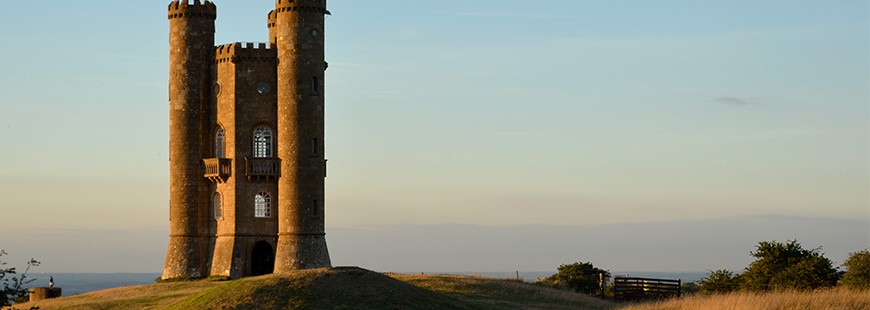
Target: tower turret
[273, 31]
[191, 48]
[299, 36]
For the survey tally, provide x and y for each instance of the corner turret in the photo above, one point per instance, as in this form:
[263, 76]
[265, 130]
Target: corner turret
[300, 43]
[273, 31]
[191, 55]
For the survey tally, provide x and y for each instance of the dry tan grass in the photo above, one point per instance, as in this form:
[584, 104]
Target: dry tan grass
[832, 299]
[503, 293]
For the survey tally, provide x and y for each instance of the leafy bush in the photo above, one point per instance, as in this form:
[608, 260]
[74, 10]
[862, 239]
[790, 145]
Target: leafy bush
[857, 274]
[719, 281]
[581, 277]
[783, 266]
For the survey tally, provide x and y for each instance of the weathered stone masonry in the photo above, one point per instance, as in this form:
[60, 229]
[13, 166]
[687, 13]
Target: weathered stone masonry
[247, 163]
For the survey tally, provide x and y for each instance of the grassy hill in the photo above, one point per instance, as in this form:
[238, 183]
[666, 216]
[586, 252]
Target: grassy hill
[355, 288]
[335, 288]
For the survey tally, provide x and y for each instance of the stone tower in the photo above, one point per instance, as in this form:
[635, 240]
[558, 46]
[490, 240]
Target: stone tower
[247, 163]
[191, 44]
[300, 40]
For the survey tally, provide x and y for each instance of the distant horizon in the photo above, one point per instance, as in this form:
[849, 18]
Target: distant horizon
[408, 272]
[529, 276]
[484, 248]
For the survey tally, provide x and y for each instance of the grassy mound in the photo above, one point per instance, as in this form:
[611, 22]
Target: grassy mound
[335, 288]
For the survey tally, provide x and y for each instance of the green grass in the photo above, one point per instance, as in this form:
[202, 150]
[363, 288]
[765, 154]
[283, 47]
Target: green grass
[153, 296]
[335, 288]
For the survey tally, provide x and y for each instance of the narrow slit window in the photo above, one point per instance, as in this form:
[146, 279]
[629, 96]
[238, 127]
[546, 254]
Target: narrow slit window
[314, 146]
[218, 206]
[220, 143]
[314, 210]
[315, 85]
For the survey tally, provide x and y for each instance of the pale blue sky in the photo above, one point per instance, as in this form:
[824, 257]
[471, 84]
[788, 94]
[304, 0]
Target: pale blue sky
[492, 113]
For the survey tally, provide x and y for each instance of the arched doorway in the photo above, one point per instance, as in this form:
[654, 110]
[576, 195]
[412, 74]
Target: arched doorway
[262, 259]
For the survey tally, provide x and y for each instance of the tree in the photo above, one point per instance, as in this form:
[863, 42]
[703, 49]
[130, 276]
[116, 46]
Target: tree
[14, 287]
[581, 277]
[719, 281]
[780, 266]
[857, 274]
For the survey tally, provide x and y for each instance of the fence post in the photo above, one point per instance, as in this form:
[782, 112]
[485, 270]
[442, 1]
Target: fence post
[679, 287]
[601, 284]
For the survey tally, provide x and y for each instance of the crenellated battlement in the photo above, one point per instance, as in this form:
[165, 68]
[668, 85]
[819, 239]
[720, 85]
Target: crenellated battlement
[194, 9]
[247, 51]
[317, 6]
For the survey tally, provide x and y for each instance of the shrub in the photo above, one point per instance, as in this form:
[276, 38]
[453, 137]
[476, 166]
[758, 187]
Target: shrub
[857, 274]
[719, 281]
[581, 277]
[782, 266]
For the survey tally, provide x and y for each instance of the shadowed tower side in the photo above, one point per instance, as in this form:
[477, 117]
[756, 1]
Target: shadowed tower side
[191, 47]
[298, 32]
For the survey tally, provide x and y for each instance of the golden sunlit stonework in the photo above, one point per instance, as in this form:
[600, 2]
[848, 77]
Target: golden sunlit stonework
[247, 163]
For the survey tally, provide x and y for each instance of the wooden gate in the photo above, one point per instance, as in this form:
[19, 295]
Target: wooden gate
[629, 288]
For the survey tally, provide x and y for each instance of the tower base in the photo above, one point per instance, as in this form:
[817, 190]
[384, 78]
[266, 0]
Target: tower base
[301, 251]
[185, 258]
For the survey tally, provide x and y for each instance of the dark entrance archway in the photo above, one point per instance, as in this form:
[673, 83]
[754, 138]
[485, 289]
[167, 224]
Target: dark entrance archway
[262, 259]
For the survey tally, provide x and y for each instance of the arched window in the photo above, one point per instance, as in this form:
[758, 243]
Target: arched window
[220, 143]
[263, 205]
[262, 142]
[218, 207]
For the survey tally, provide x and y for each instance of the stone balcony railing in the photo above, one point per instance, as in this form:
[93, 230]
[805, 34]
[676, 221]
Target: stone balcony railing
[218, 170]
[262, 169]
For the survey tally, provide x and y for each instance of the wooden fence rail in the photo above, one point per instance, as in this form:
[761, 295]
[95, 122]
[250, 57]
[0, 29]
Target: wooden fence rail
[629, 288]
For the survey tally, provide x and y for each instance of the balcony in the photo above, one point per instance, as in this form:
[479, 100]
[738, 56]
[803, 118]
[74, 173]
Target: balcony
[262, 169]
[218, 170]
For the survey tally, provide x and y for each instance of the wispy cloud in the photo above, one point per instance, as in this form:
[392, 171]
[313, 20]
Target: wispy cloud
[737, 102]
[502, 15]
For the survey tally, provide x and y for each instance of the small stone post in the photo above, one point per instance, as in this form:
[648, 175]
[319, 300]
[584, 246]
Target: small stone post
[42, 293]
